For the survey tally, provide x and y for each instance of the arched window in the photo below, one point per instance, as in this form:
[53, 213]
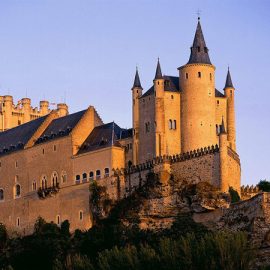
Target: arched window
[170, 124]
[98, 174]
[44, 182]
[91, 176]
[64, 177]
[1, 194]
[17, 191]
[80, 215]
[186, 75]
[199, 74]
[78, 178]
[34, 186]
[18, 222]
[107, 172]
[58, 220]
[54, 179]
[174, 124]
[84, 177]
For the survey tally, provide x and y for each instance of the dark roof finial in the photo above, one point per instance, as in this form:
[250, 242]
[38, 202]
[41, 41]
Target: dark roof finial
[137, 82]
[222, 127]
[158, 71]
[228, 82]
[199, 50]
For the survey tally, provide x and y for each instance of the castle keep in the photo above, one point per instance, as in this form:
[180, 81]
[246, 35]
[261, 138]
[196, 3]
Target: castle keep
[182, 126]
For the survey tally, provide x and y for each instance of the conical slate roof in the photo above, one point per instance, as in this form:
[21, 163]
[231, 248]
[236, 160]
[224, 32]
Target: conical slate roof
[158, 72]
[199, 51]
[229, 80]
[137, 82]
[222, 127]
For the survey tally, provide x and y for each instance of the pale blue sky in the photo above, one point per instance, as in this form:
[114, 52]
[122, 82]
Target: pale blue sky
[89, 49]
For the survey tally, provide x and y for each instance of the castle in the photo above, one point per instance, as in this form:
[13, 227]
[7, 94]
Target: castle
[182, 126]
[12, 115]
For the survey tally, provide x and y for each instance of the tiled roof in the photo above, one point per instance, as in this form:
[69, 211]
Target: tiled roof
[16, 138]
[218, 94]
[61, 126]
[104, 136]
[137, 82]
[171, 84]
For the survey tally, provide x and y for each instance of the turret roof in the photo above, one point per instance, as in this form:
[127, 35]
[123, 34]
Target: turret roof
[222, 127]
[229, 80]
[137, 82]
[158, 72]
[199, 51]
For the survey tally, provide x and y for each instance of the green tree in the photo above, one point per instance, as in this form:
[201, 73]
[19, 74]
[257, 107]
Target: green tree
[264, 185]
[234, 195]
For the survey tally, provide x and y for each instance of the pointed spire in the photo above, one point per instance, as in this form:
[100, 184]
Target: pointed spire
[228, 80]
[137, 82]
[222, 127]
[199, 51]
[158, 72]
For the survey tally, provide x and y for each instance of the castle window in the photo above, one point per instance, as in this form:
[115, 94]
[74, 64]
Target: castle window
[19, 122]
[78, 178]
[54, 179]
[54, 148]
[107, 172]
[16, 164]
[84, 176]
[91, 176]
[217, 129]
[98, 174]
[34, 186]
[186, 75]
[170, 124]
[133, 101]
[0, 164]
[17, 191]
[199, 48]
[81, 215]
[205, 50]
[58, 220]
[43, 151]
[18, 222]
[64, 177]
[44, 182]
[147, 127]
[174, 124]
[210, 76]
[1, 194]
[171, 96]
[199, 74]
[217, 102]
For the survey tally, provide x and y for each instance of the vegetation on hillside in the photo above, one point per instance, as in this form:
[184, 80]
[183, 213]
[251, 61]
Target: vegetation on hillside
[186, 245]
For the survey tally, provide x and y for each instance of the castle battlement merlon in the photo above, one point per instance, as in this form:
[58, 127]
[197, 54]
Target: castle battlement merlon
[16, 114]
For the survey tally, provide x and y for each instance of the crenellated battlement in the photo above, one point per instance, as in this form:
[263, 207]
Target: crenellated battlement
[168, 159]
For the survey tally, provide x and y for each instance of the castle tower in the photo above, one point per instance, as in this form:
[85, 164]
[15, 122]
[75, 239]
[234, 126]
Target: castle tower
[62, 109]
[136, 93]
[26, 105]
[223, 144]
[7, 112]
[197, 82]
[44, 107]
[229, 93]
[159, 112]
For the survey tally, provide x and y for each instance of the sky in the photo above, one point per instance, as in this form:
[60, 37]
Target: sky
[85, 52]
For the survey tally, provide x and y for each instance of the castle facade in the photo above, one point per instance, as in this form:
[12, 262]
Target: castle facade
[182, 126]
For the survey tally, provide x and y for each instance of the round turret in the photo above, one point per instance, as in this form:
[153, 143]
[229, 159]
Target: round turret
[44, 107]
[62, 109]
[229, 93]
[26, 104]
[197, 82]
